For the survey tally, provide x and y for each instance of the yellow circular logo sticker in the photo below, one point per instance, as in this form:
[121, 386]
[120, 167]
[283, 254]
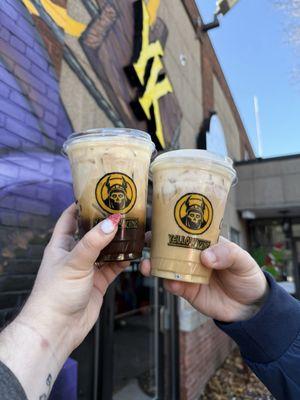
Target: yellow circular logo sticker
[193, 213]
[116, 193]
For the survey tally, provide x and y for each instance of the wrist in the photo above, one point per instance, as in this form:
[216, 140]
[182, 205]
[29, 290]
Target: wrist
[248, 311]
[31, 357]
[53, 332]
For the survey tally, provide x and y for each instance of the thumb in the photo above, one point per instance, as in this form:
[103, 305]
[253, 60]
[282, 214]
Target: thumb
[87, 250]
[225, 255]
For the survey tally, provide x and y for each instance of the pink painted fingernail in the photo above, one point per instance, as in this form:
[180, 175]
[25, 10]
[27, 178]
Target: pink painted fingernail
[108, 225]
[115, 218]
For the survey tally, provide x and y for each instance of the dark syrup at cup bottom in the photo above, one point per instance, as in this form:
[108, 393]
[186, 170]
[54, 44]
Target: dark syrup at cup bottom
[127, 245]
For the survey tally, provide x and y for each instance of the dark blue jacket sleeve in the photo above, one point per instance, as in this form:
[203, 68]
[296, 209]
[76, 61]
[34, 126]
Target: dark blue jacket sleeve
[10, 387]
[270, 342]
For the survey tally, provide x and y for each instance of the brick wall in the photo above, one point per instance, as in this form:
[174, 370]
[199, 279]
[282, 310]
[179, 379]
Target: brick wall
[207, 86]
[202, 351]
[34, 177]
[54, 48]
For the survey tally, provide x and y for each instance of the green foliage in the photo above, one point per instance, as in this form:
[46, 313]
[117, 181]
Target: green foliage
[272, 271]
[270, 261]
[259, 254]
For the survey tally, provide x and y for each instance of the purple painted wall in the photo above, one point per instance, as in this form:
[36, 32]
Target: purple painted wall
[35, 181]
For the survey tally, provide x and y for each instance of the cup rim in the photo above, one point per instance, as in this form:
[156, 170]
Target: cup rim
[195, 156]
[108, 133]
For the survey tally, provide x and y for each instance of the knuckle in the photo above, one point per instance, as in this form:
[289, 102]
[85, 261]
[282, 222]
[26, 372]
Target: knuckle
[231, 247]
[234, 250]
[89, 241]
[241, 257]
[236, 254]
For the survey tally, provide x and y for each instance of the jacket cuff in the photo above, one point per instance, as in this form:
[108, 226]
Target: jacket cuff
[269, 333]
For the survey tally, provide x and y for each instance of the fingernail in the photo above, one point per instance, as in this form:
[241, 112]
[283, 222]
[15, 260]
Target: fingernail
[108, 225]
[210, 256]
[115, 218]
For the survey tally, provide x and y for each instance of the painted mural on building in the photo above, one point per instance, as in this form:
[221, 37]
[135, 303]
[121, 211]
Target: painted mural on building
[34, 178]
[124, 46]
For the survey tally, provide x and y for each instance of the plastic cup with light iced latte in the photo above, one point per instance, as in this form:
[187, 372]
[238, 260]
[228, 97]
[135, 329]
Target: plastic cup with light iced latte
[190, 190]
[110, 176]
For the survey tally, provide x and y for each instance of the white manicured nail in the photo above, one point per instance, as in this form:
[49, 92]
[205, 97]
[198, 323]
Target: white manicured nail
[107, 226]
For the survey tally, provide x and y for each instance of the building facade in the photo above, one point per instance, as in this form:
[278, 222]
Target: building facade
[268, 198]
[73, 65]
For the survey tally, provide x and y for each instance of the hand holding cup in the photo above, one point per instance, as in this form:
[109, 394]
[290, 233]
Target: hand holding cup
[237, 287]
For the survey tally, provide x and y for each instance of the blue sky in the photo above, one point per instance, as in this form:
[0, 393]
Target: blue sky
[251, 44]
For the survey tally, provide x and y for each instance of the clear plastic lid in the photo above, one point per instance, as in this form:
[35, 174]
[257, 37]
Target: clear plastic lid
[202, 158]
[101, 134]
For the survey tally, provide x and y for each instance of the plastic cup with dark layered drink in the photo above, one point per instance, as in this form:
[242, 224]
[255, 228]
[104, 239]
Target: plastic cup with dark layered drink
[110, 176]
[190, 190]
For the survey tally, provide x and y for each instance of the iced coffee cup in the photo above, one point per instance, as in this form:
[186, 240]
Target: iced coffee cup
[110, 175]
[190, 190]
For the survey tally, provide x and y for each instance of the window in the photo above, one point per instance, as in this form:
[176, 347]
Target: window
[296, 230]
[235, 236]
[215, 138]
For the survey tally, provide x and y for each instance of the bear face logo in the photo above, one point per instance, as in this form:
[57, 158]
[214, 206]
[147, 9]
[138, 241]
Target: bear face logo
[193, 213]
[116, 193]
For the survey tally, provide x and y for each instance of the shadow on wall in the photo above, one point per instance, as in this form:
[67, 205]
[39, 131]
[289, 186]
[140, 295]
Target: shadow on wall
[35, 179]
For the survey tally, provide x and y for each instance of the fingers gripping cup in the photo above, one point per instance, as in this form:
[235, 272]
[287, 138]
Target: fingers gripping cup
[110, 176]
[190, 190]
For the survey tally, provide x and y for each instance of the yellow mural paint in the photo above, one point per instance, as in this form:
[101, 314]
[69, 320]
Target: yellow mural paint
[30, 7]
[148, 50]
[153, 92]
[59, 15]
[152, 7]
[154, 88]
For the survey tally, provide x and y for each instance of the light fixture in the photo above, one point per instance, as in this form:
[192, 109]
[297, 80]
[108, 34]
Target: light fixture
[222, 8]
[247, 214]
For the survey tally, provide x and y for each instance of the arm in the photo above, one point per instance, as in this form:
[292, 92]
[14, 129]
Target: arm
[32, 359]
[63, 306]
[260, 316]
[270, 342]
